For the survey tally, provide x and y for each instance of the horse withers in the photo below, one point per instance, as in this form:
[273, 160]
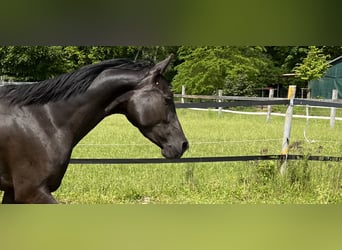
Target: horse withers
[41, 123]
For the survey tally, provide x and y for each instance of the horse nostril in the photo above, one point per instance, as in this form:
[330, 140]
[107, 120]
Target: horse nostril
[185, 146]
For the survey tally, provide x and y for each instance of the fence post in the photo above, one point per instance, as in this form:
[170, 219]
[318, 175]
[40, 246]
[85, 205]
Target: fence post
[287, 128]
[269, 107]
[183, 93]
[220, 100]
[333, 110]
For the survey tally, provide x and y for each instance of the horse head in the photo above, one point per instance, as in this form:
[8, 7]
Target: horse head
[150, 107]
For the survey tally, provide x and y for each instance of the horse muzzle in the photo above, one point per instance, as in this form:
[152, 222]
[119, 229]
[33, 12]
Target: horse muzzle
[171, 151]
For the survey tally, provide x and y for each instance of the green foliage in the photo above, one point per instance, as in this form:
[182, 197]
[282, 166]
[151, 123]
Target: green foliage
[77, 56]
[203, 70]
[235, 70]
[313, 65]
[332, 51]
[286, 57]
[34, 63]
[154, 53]
[30, 63]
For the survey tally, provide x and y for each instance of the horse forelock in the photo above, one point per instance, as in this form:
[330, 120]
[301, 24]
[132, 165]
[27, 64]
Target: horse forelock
[66, 85]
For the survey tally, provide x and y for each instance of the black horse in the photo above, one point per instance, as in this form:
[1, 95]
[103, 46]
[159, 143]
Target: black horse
[41, 123]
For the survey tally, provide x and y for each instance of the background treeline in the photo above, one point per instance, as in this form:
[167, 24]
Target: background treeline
[238, 70]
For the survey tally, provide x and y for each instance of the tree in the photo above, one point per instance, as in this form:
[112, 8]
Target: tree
[333, 51]
[78, 56]
[313, 66]
[34, 63]
[155, 54]
[235, 70]
[285, 58]
[30, 63]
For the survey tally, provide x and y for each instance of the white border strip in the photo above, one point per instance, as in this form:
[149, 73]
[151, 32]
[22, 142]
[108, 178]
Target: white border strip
[265, 113]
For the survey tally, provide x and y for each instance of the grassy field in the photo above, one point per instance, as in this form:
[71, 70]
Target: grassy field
[208, 183]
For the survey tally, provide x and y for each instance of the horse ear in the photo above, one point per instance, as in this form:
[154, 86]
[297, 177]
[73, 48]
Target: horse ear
[160, 67]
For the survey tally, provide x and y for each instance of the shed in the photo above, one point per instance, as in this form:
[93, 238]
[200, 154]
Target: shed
[332, 79]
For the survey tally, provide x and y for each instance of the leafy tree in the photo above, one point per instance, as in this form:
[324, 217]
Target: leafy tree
[77, 56]
[156, 54]
[30, 63]
[285, 58]
[313, 65]
[236, 70]
[333, 51]
[34, 63]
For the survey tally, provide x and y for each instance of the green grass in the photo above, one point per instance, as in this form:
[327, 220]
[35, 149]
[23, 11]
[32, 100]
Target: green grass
[207, 183]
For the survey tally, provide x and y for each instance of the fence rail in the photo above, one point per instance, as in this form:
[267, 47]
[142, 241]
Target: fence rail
[204, 159]
[235, 101]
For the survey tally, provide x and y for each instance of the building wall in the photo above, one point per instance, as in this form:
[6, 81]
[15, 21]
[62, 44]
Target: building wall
[322, 88]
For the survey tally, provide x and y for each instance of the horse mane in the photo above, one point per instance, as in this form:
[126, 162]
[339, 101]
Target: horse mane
[66, 85]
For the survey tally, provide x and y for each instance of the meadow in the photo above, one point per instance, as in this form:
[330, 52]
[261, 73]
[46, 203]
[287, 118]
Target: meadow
[254, 182]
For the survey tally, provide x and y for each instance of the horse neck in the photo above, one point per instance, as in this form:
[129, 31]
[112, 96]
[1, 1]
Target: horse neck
[80, 114]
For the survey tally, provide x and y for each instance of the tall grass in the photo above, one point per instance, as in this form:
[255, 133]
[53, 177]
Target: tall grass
[207, 183]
